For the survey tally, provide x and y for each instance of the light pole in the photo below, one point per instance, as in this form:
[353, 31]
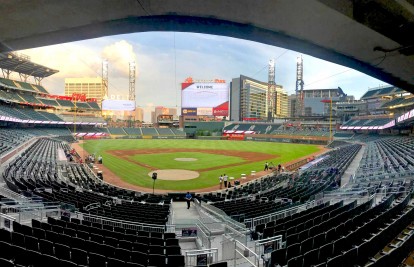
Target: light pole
[154, 177]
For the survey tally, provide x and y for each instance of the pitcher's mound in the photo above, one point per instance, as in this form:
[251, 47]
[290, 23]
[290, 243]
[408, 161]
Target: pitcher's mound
[172, 174]
[185, 159]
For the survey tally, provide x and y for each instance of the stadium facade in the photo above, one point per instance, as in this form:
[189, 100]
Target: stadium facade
[317, 100]
[248, 100]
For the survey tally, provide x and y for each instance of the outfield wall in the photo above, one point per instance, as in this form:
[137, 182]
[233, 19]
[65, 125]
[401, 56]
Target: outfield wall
[316, 140]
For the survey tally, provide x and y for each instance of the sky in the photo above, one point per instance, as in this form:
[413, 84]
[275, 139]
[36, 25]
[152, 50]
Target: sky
[165, 59]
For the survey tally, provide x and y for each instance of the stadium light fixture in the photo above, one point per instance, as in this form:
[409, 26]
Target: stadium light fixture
[154, 177]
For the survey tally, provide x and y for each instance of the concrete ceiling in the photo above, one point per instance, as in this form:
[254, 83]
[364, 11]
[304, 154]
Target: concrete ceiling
[371, 36]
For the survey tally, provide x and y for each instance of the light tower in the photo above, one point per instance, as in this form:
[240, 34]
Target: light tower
[271, 91]
[131, 95]
[104, 79]
[132, 72]
[299, 111]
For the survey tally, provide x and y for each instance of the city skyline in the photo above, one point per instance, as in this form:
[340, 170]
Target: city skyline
[165, 59]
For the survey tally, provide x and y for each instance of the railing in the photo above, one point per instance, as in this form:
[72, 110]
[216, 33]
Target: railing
[6, 221]
[203, 257]
[241, 250]
[121, 223]
[266, 246]
[253, 222]
[350, 195]
[236, 234]
[25, 212]
[204, 235]
[222, 216]
[13, 195]
[95, 177]
[92, 206]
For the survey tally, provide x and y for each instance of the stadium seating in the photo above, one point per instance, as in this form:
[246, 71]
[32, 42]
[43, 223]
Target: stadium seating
[149, 131]
[82, 105]
[116, 131]
[343, 135]
[133, 131]
[385, 91]
[29, 98]
[341, 235]
[336, 233]
[387, 158]
[164, 131]
[374, 122]
[64, 242]
[178, 132]
[10, 138]
[65, 103]
[49, 102]
[318, 178]
[42, 156]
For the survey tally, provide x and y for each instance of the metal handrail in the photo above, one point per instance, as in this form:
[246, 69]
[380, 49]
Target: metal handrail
[111, 221]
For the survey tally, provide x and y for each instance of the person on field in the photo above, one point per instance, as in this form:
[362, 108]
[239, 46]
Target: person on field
[225, 178]
[266, 166]
[188, 198]
[221, 181]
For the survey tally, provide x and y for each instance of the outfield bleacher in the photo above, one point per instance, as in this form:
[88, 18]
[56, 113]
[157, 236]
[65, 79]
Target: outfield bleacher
[116, 131]
[178, 132]
[164, 131]
[149, 131]
[132, 131]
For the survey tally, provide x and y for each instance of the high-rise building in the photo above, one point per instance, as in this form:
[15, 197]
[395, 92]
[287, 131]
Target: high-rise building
[281, 108]
[292, 105]
[91, 87]
[248, 100]
[160, 110]
[137, 114]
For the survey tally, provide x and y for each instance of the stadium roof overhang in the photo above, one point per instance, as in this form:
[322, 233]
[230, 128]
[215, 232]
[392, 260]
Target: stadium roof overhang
[371, 36]
[22, 64]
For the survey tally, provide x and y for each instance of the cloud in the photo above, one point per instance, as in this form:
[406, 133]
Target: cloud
[72, 60]
[119, 55]
[164, 60]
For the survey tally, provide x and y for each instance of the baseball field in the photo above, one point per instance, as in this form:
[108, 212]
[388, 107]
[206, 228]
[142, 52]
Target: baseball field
[190, 164]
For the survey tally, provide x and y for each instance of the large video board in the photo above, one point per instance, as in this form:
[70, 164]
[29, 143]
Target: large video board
[123, 105]
[210, 99]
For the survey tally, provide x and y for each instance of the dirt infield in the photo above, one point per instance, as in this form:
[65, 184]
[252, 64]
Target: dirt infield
[112, 178]
[175, 174]
[185, 159]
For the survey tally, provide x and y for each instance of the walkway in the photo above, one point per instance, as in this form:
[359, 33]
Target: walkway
[352, 168]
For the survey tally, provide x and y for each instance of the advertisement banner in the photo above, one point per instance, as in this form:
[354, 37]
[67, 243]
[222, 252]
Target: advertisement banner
[204, 111]
[123, 105]
[189, 111]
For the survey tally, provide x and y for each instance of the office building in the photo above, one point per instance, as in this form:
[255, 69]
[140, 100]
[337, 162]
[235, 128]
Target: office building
[248, 100]
[91, 87]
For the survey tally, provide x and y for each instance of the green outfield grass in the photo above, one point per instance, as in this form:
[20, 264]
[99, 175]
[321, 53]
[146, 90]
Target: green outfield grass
[138, 175]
